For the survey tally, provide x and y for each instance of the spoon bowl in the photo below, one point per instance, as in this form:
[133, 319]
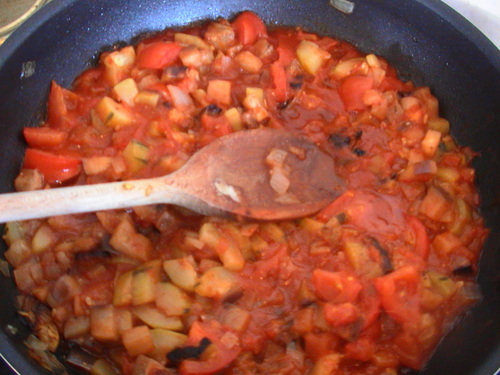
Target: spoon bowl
[263, 174]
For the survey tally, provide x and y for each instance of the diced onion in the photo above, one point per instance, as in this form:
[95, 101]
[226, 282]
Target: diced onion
[179, 97]
[279, 182]
[344, 6]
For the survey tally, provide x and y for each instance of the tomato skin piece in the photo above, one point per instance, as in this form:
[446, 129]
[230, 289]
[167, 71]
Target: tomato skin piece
[337, 287]
[53, 167]
[352, 89]
[248, 28]
[422, 246]
[221, 357]
[280, 82]
[399, 295]
[44, 137]
[157, 55]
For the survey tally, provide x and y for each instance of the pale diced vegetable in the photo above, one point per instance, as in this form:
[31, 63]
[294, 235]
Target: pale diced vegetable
[430, 143]
[96, 164]
[157, 319]
[149, 98]
[311, 56]
[118, 64]
[219, 92]
[129, 242]
[218, 283]
[193, 40]
[113, 114]
[172, 300]
[126, 91]
[138, 340]
[103, 325]
[248, 62]
[182, 272]
[144, 281]
[43, 239]
[136, 155]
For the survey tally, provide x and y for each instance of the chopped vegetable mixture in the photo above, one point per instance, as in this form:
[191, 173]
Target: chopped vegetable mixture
[369, 285]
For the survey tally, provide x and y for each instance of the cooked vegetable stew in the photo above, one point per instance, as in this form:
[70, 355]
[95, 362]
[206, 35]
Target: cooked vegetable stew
[367, 286]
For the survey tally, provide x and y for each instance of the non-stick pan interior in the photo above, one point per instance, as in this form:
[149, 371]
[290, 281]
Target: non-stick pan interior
[424, 39]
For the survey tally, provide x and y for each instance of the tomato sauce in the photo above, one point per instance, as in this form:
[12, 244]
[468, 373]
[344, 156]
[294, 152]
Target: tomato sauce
[369, 285]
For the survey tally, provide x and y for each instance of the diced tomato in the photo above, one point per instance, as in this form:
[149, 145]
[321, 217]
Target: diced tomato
[158, 55]
[352, 89]
[337, 287]
[57, 109]
[362, 349]
[279, 81]
[340, 314]
[400, 297]
[370, 211]
[421, 237]
[54, 167]
[44, 137]
[320, 344]
[221, 355]
[248, 27]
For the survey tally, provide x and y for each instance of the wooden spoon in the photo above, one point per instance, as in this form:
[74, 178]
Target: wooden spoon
[230, 176]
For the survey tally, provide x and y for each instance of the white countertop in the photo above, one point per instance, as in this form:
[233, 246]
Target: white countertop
[484, 14]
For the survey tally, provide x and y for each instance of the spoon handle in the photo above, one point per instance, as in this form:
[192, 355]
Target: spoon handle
[86, 198]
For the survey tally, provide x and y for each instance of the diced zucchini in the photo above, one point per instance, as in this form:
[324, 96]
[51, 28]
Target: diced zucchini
[138, 340]
[113, 114]
[311, 56]
[218, 283]
[442, 284]
[118, 64]
[346, 67]
[445, 243]
[123, 289]
[103, 367]
[171, 299]
[76, 326]
[154, 318]
[136, 155]
[144, 282]
[463, 217]
[13, 231]
[147, 98]
[43, 239]
[18, 252]
[219, 92]
[129, 242]
[96, 164]
[439, 124]
[248, 62]
[124, 319]
[430, 142]
[126, 91]
[188, 39]
[103, 325]
[326, 365]
[165, 341]
[182, 272]
[448, 174]
[273, 232]
[234, 117]
[236, 318]
[311, 225]
[227, 249]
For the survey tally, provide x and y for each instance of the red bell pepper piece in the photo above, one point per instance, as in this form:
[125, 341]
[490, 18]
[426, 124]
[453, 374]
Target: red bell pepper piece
[248, 28]
[54, 167]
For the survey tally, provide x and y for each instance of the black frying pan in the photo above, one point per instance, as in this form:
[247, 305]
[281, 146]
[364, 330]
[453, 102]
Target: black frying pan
[427, 41]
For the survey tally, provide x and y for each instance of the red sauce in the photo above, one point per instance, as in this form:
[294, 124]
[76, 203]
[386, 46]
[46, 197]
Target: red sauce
[367, 286]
